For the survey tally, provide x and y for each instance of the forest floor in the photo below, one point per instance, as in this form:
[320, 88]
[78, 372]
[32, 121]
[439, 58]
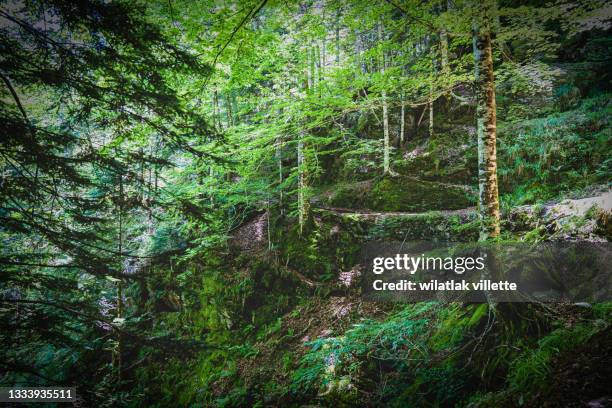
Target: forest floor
[336, 306]
[581, 375]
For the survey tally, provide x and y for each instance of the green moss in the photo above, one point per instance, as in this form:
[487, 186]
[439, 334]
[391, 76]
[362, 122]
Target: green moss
[352, 195]
[449, 329]
[403, 194]
[326, 246]
[427, 226]
[391, 194]
[465, 231]
[478, 314]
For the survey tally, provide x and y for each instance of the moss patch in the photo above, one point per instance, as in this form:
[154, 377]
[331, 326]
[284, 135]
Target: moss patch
[404, 194]
[426, 226]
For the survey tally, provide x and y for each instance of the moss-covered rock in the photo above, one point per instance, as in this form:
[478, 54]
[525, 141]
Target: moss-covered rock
[327, 244]
[427, 226]
[404, 194]
[408, 194]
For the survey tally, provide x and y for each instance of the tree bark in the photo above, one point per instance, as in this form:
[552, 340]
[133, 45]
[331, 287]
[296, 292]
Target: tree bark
[338, 36]
[444, 52]
[445, 68]
[359, 59]
[302, 199]
[402, 121]
[279, 157]
[431, 112]
[217, 111]
[319, 68]
[486, 126]
[312, 75]
[228, 111]
[120, 282]
[386, 160]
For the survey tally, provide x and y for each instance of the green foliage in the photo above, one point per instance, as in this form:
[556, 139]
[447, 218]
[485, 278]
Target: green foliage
[562, 152]
[530, 372]
[334, 364]
[139, 138]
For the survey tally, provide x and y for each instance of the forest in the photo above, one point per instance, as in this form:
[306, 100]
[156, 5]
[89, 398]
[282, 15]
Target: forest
[187, 187]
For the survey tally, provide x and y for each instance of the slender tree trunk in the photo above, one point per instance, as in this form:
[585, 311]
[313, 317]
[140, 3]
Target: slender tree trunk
[486, 126]
[228, 110]
[386, 160]
[307, 71]
[444, 61]
[218, 111]
[236, 118]
[359, 59]
[402, 121]
[211, 191]
[120, 282]
[338, 36]
[431, 112]
[444, 44]
[312, 74]
[319, 63]
[319, 68]
[430, 105]
[279, 157]
[302, 199]
[444, 65]
[156, 178]
[323, 56]
[444, 52]
[214, 108]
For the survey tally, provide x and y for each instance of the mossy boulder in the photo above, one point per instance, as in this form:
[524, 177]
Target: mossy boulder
[401, 194]
[461, 227]
[326, 245]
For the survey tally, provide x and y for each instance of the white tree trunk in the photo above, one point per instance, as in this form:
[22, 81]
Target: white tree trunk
[302, 198]
[431, 112]
[402, 121]
[386, 160]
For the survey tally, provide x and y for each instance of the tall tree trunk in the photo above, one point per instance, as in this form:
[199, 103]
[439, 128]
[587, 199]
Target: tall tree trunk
[228, 110]
[386, 160]
[211, 190]
[444, 52]
[445, 68]
[359, 58]
[431, 112]
[217, 110]
[279, 157]
[235, 118]
[120, 282]
[302, 199]
[319, 68]
[307, 71]
[323, 56]
[312, 74]
[402, 121]
[486, 126]
[319, 63]
[338, 36]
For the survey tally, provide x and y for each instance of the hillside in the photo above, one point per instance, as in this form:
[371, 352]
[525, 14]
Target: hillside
[195, 196]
